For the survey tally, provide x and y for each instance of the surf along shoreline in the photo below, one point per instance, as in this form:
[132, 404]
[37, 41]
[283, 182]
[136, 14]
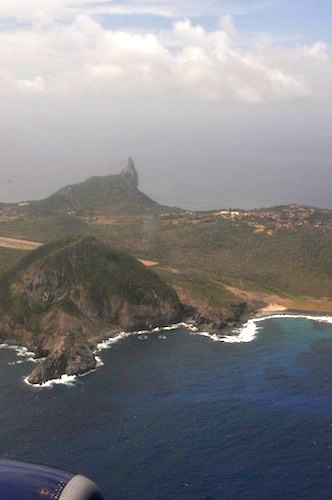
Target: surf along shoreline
[246, 332]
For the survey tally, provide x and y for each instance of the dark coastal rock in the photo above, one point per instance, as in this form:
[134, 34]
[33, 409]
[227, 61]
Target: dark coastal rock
[129, 173]
[68, 358]
[212, 319]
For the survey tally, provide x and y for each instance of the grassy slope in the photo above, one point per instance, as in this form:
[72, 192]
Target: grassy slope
[43, 228]
[9, 257]
[295, 262]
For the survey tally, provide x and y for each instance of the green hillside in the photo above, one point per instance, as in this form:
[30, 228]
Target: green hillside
[291, 262]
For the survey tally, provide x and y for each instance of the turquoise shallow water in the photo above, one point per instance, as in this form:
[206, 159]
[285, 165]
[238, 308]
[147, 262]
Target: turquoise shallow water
[185, 416]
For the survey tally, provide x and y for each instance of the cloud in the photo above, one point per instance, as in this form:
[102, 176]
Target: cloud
[81, 57]
[22, 9]
[170, 8]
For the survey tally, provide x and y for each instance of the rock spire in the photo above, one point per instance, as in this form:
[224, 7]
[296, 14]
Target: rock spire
[130, 173]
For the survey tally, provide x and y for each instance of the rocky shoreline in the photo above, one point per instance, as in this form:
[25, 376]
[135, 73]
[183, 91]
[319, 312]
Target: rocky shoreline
[73, 355]
[71, 359]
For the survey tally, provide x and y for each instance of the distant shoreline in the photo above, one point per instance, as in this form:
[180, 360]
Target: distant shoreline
[278, 308]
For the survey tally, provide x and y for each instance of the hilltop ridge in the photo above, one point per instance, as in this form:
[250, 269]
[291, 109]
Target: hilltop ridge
[111, 194]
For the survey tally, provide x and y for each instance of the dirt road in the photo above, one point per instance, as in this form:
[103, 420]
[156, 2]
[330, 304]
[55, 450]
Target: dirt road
[19, 244]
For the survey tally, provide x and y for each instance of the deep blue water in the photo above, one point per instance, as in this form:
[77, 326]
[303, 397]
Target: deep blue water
[186, 417]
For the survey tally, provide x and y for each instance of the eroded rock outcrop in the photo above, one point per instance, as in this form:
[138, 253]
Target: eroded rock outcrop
[213, 319]
[129, 173]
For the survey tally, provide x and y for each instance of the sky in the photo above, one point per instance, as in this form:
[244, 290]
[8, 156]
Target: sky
[220, 103]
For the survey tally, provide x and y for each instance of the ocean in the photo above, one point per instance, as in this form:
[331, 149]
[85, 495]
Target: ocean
[174, 414]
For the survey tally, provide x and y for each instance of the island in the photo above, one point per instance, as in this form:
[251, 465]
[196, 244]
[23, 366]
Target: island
[100, 257]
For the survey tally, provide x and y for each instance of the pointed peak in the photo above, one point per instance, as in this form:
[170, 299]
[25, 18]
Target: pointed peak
[130, 163]
[130, 173]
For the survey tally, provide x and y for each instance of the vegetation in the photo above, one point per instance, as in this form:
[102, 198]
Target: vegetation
[44, 228]
[282, 250]
[9, 257]
[51, 273]
[289, 262]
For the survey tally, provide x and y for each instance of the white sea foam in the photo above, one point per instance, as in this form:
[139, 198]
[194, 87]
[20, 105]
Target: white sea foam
[245, 333]
[211, 336]
[106, 344]
[99, 362]
[24, 352]
[248, 331]
[35, 360]
[20, 351]
[64, 379]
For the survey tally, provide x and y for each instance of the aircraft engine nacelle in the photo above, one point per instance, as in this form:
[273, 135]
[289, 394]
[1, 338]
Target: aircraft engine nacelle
[21, 480]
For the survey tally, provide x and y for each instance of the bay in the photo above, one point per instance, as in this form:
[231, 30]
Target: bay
[176, 415]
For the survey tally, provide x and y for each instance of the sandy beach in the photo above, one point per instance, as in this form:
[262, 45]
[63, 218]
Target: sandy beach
[148, 263]
[272, 308]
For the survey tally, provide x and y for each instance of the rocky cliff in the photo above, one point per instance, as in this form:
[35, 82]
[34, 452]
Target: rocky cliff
[64, 297]
[129, 173]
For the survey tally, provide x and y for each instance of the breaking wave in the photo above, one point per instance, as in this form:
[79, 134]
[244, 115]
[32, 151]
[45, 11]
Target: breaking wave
[106, 344]
[64, 379]
[22, 352]
[249, 331]
[244, 334]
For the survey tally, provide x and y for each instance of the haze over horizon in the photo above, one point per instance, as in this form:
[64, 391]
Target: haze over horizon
[219, 103]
